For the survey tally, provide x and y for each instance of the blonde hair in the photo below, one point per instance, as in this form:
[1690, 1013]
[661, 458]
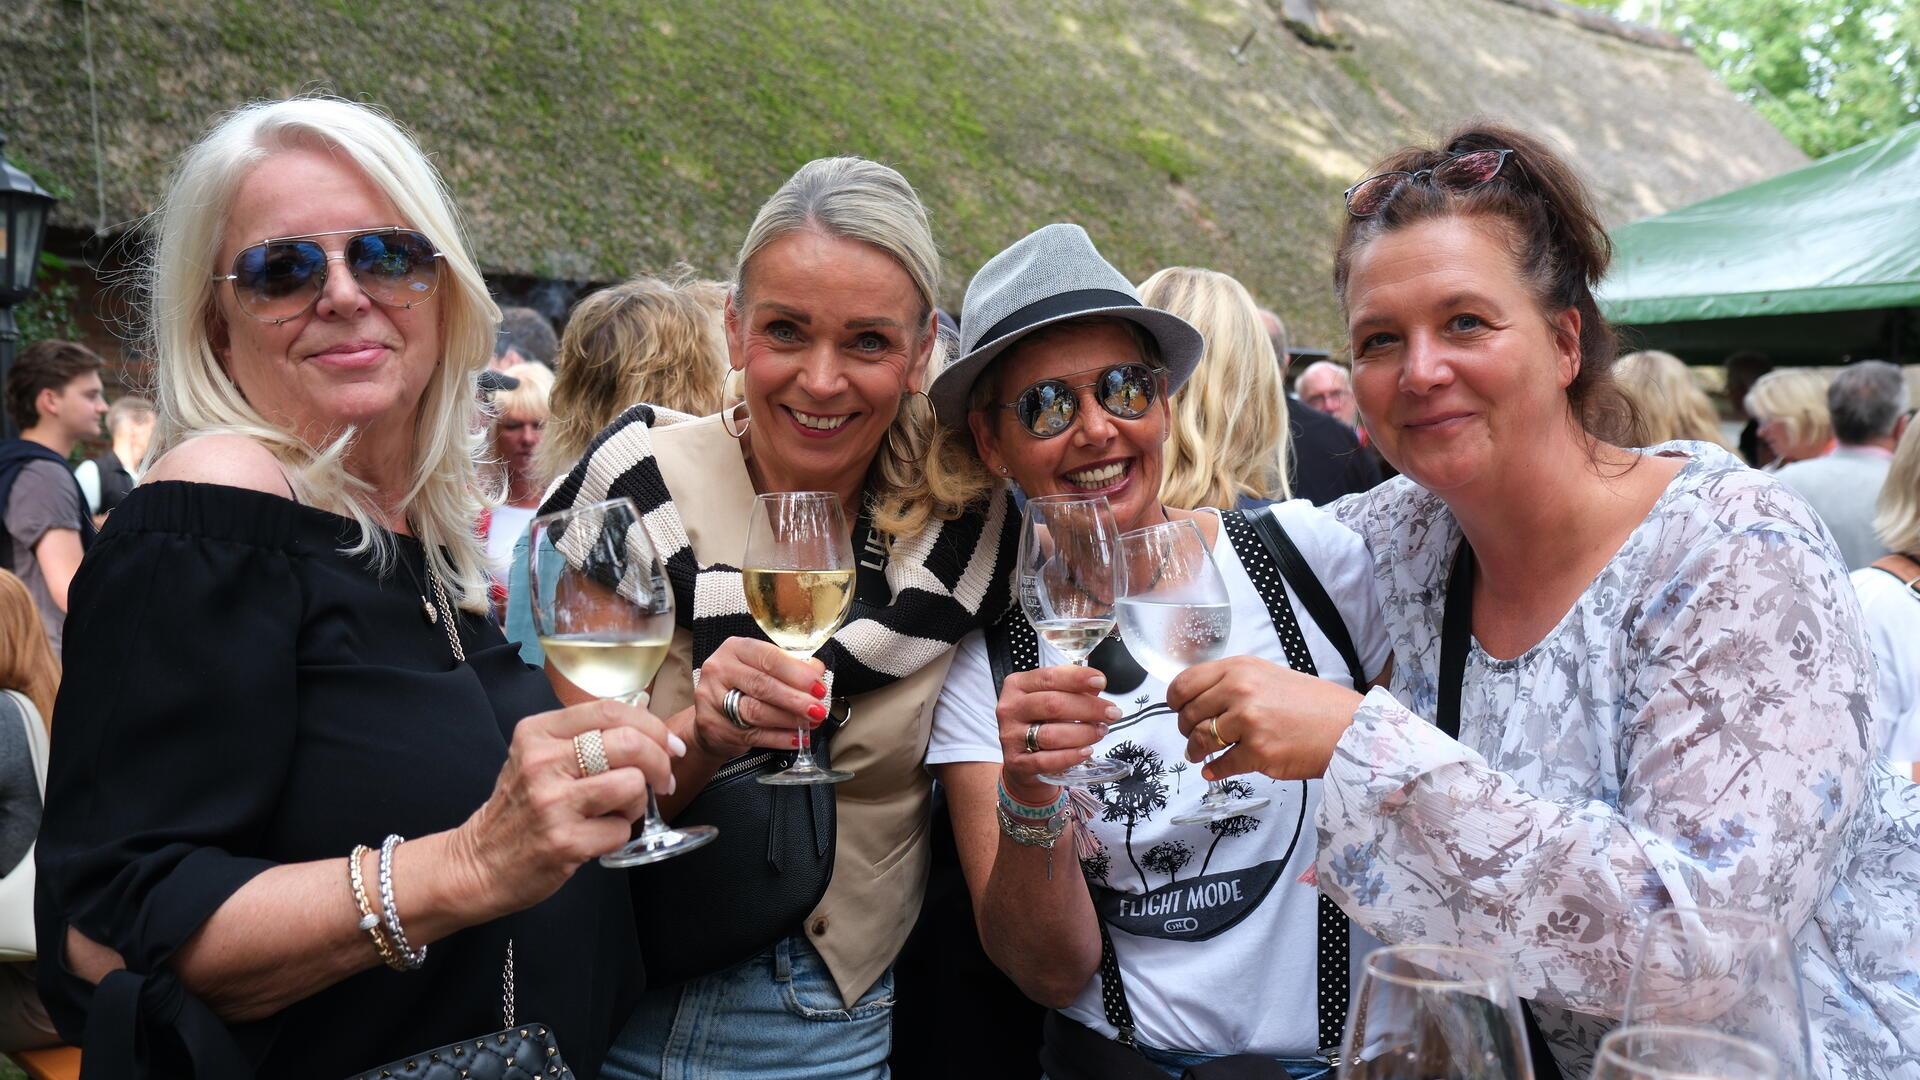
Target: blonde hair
[27, 663]
[643, 340]
[194, 394]
[1897, 523]
[1667, 403]
[917, 475]
[1228, 429]
[531, 399]
[1797, 397]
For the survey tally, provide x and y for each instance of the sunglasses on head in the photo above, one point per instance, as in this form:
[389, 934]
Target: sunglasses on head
[280, 279]
[1458, 173]
[1047, 408]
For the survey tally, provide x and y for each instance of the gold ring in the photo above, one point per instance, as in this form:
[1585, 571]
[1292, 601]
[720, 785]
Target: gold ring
[1213, 725]
[590, 752]
[1033, 738]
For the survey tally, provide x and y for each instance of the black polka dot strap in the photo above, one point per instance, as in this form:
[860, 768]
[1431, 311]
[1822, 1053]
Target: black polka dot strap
[1273, 562]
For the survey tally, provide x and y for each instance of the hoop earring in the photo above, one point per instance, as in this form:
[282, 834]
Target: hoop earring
[733, 399]
[896, 435]
[727, 419]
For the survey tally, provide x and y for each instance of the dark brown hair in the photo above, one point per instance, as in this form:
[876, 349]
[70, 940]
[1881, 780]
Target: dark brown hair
[1558, 245]
[44, 365]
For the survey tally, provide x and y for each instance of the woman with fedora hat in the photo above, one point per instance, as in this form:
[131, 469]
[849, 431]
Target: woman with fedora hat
[1167, 945]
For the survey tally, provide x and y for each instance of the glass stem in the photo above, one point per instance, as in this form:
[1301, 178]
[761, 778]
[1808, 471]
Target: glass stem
[654, 823]
[803, 738]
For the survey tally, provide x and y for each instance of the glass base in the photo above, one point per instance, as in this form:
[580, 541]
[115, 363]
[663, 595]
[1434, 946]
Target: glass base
[808, 773]
[665, 843]
[1089, 772]
[1212, 810]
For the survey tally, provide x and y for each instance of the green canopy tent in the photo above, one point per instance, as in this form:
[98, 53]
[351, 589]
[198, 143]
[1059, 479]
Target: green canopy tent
[1820, 265]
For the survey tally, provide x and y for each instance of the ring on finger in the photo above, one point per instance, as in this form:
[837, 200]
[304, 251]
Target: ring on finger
[1213, 728]
[590, 753]
[1033, 738]
[730, 705]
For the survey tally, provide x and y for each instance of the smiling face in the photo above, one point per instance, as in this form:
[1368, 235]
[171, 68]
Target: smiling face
[1100, 454]
[347, 360]
[1455, 367]
[829, 333]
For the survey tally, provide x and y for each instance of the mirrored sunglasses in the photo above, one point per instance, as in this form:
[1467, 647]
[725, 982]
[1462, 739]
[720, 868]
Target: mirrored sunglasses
[1047, 408]
[281, 279]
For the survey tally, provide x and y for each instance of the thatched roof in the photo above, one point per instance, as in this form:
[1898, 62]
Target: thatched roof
[587, 141]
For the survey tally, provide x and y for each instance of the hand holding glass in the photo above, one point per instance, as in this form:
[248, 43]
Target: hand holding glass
[798, 575]
[603, 610]
[1067, 576]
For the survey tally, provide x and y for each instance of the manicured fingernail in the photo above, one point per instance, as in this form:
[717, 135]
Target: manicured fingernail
[1113, 712]
[672, 782]
[1086, 753]
[796, 740]
[817, 712]
[1099, 681]
[819, 689]
[676, 745]
[1103, 730]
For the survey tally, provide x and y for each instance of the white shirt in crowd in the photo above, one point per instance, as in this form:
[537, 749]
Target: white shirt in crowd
[1891, 615]
[1214, 926]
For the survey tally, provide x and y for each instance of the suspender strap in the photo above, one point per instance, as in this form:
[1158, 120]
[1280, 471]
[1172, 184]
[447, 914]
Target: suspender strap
[1456, 638]
[1113, 992]
[1274, 551]
[1904, 569]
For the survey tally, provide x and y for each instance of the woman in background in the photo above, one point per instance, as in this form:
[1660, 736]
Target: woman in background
[30, 676]
[519, 420]
[1790, 405]
[1667, 403]
[1227, 444]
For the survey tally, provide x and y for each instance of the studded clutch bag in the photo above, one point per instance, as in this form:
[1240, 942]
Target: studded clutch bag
[527, 1052]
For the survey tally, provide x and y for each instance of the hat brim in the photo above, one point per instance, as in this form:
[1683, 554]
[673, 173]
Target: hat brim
[1181, 347]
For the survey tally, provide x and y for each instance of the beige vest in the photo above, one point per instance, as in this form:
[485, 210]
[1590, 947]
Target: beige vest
[880, 859]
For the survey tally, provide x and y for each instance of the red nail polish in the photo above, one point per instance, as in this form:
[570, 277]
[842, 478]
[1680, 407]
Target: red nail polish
[817, 712]
[819, 689]
[796, 740]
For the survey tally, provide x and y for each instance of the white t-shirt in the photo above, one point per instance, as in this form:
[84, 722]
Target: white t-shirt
[1892, 618]
[1250, 987]
[506, 528]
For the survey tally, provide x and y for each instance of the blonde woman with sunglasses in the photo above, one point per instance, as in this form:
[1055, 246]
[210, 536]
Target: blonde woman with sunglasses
[295, 756]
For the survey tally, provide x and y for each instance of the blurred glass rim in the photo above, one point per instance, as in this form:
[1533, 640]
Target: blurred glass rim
[1490, 971]
[1724, 1048]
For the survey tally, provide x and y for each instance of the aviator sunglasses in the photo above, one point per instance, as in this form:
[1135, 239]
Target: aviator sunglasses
[1047, 408]
[1458, 173]
[282, 278]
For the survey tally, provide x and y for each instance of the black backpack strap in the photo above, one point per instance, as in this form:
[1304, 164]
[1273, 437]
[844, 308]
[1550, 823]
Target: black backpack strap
[1271, 558]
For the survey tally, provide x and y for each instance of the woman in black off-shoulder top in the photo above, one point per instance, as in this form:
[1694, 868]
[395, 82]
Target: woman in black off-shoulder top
[276, 657]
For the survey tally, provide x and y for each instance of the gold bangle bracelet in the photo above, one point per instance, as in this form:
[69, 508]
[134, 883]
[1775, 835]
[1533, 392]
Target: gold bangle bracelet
[356, 879]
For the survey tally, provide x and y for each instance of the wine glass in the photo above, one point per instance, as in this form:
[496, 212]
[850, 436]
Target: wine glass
[798, 574]
[1733, 972]
[1068, 576]
[1661, 1052]
[603, 611]
[1427, 1011]
[1175, 612]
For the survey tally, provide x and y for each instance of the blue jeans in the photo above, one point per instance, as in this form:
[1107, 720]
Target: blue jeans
[778, 1015]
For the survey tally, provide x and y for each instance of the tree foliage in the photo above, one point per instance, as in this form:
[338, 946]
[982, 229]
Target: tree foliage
[1829, 74]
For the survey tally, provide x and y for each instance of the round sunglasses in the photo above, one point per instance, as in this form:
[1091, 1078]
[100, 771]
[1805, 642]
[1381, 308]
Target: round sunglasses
[281, 279]
[1458, 173]
[1047, 408]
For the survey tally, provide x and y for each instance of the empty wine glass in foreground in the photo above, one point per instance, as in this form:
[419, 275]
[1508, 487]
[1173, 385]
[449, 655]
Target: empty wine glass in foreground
[1661, 1052]
[1426, 1011]
[1068, 577]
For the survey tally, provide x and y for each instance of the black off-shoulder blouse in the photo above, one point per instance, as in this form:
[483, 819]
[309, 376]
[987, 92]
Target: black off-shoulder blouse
[239, 694]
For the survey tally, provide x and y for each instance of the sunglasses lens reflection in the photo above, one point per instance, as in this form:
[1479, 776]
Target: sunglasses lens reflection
[278, 279]
[281, 279]
[1468, 170]
[395, 268]
[1373, 193]
[1046, 409]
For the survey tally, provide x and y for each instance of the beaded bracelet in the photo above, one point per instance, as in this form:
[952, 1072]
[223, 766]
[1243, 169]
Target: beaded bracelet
[1019, 809]
[410, 958]
[368, 920]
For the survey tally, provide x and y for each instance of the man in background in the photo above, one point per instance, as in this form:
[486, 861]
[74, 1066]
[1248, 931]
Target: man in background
[525, 337]
[1324, 454]
[53, 394]
[1326, 386]
[107, 479]
[1868, 403]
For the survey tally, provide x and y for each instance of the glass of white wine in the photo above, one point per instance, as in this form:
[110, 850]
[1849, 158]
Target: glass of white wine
[1068, 577]
[798, 576]
[603, 610]
[1175, 612]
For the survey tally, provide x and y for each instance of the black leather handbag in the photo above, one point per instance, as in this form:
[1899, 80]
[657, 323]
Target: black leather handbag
[516, 1052]
[756, 883]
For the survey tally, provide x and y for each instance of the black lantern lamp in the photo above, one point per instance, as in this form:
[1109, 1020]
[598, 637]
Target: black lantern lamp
[24, 208]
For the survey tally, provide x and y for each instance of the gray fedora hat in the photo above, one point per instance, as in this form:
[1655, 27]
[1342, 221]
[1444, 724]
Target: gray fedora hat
[1050, 275]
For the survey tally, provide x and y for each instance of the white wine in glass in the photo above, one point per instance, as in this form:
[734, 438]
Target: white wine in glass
[603, 611]
[1175, 612]
[1068, 577]
[798, 576]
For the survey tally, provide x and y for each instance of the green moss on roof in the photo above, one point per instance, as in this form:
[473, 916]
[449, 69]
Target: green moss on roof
[595, 140]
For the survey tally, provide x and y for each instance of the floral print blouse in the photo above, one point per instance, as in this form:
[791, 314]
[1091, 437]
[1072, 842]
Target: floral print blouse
[1695, 732]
